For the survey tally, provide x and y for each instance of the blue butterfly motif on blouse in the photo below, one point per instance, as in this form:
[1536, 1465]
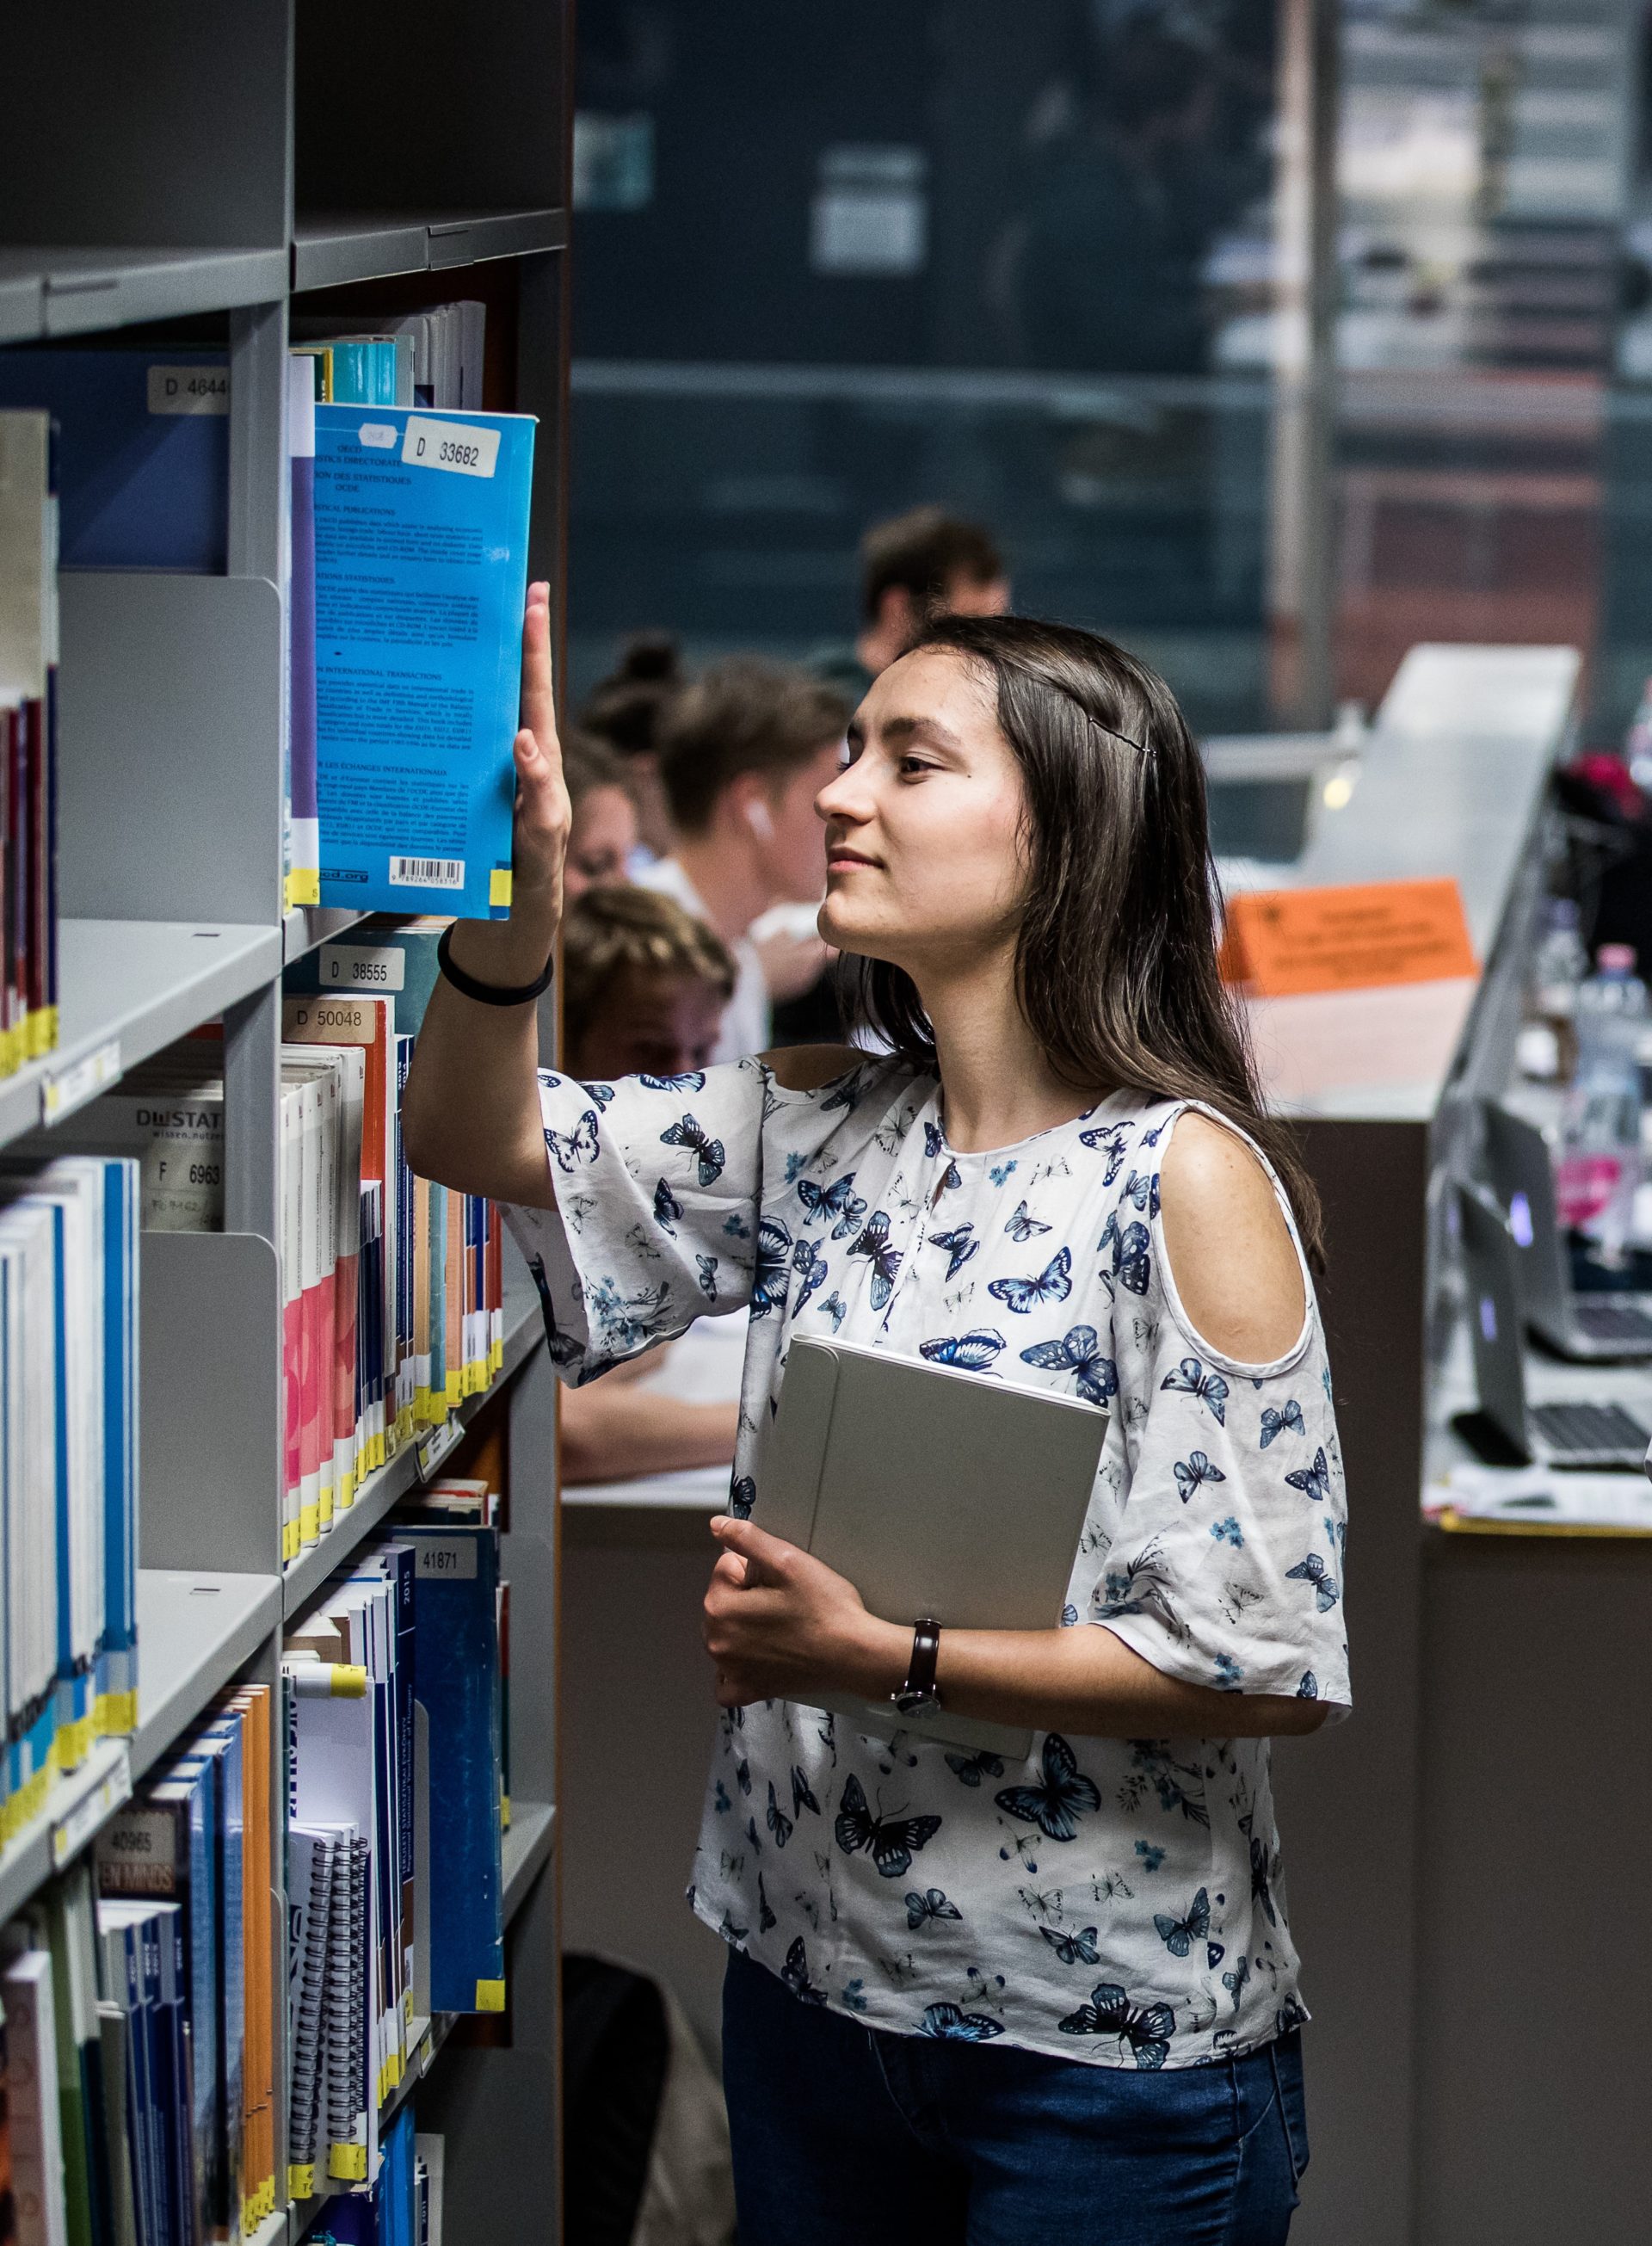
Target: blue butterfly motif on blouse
[837, 1199]
[742, 1496]
[999, 1172]
[846, 1095]
[1179, 1934]
[960, 1246]
[1234, 1982]
[765, 1916]
[1141, 1191]
[1073, 1948]
[1023, 1225]
[723, 1804]
[1313, 1571]
[689, 1133]
[949, 2024]
[1055, 1802]
[890, 1842]
[768, 1277]
[565, 1350]
[970, 1769]
[708, 1276]
[1309, 1689]
[802, 1792]
[579, 1145]
[1264, 1869]
[1146, 2028]
[780, 1823]
[933, 1141]
[971, 1353]
[1152, 1138]
[795, 1974]
[1190, 1378]
[1196, 1470]
[1112, 1139]
[810, 1267]
[1130, 1253]
[1078, 1352]
[1315, 1481]
[1274, 1423]
[929, 1907]
[885, 1259]
[600, 1093]
[692, 1079]
[1051, 1285]
[667, 1207]
[832, 1306]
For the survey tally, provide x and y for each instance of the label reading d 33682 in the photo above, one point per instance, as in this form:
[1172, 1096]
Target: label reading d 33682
[463, 448]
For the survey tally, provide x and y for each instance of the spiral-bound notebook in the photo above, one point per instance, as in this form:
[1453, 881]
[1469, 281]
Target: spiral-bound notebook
[936, 1492]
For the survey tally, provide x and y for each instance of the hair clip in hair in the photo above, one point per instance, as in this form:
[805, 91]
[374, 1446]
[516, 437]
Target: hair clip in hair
[1113, 733]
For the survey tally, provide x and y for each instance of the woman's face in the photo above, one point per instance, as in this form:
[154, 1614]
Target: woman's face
[925, 862]
[600, 848]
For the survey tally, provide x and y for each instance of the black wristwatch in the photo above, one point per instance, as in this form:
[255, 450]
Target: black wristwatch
[920, 1694]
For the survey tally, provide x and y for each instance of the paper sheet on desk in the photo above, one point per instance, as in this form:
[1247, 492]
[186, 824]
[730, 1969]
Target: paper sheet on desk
[1332, 1041]
[1538, 1501]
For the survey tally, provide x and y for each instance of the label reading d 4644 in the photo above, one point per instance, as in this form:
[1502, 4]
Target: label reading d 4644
[464, 448]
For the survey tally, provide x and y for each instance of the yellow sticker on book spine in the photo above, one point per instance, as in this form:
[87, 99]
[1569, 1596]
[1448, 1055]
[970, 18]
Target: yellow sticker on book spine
[301, 2180]
[490, 1995]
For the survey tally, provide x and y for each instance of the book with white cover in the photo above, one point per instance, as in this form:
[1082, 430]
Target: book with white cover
[937, 1493]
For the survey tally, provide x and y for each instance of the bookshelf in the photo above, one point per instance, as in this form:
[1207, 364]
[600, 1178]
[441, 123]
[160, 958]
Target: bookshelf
[197, 177]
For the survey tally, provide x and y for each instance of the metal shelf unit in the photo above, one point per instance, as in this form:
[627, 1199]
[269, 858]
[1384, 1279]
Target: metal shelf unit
[161, 166]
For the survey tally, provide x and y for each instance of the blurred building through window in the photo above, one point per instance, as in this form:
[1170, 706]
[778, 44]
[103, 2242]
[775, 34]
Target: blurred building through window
[1046, 266]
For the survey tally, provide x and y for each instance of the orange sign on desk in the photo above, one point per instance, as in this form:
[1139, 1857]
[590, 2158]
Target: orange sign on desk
[1282, 941]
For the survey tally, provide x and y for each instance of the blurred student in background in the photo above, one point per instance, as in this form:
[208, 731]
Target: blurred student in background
[605, 832]
[629, 710]
[914, 567]
[746, 749]
[643, 989]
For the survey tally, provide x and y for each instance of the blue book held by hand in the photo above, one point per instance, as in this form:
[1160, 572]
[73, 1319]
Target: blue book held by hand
[421, 575]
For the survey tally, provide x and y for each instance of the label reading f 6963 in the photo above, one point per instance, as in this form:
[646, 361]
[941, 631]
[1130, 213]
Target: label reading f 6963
[450, 1559]
[464, 448]
[365, 967]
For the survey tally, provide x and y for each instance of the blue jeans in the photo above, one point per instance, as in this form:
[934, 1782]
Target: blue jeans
[848, 2136]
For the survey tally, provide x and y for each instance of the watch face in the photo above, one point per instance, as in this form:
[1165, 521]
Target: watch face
[916, 1703]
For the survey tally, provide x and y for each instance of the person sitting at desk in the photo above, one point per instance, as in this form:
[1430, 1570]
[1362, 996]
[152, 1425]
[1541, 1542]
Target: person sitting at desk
[966, 1998]
[644, 989]
[603, 839]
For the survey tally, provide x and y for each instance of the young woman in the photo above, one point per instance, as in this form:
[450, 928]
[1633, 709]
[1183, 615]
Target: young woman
[964, 2000]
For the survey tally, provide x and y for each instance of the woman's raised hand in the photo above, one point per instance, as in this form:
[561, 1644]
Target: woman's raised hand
[543, 813]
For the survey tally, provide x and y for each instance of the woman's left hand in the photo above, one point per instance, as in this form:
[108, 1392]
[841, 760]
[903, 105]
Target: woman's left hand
[779, 1625]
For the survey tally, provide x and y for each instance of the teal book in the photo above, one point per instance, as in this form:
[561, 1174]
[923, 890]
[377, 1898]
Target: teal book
[421, 574]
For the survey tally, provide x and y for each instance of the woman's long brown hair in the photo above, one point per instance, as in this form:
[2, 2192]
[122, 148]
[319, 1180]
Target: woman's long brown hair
[1116, 953]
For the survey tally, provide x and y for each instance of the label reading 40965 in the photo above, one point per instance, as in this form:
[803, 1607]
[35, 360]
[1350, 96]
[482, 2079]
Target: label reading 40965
[463, 448]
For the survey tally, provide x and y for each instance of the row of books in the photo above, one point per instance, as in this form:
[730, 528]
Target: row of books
[68, 1469]
[138, 2038]
[396, 1782]
[405, 568]
[27, 738]
[393, 1288]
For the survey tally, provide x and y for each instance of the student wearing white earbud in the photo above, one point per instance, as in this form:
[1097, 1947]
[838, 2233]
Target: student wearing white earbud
[749, 746]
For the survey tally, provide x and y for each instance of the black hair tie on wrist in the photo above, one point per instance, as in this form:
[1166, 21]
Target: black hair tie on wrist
[488, 994]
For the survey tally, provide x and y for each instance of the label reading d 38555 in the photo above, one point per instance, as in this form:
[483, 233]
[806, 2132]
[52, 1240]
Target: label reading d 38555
[365, 967]
[463, 448]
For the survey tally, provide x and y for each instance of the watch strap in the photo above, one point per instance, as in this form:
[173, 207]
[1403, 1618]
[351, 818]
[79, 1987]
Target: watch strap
[919, 1690]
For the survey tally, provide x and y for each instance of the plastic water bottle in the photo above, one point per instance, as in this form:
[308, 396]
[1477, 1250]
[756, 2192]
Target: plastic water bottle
[1600, 1166]
[1558, 966]
[1637, 748]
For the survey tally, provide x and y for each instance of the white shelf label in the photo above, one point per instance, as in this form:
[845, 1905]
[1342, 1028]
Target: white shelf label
[364, 967]
[460, 447]
[69, 1088]
[431, 1449]
[189, 390]
[70, 1832]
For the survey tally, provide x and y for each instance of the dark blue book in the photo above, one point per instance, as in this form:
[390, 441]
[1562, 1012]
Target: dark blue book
[143, 454]
[457, 1681]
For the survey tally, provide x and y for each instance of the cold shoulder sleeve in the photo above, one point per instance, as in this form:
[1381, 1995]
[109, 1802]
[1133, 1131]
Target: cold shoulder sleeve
[1225, 1566]
[658, 1181]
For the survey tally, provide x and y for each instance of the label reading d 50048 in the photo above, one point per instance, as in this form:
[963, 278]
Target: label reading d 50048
[463, 448]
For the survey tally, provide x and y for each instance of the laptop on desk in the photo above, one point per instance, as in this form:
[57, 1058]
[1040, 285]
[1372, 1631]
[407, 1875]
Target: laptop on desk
[1596, 1433]
[1588, 1327]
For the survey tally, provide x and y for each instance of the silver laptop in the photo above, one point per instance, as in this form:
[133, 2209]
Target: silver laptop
[1598, 1434]
[1588, 1327]
[936, 1492]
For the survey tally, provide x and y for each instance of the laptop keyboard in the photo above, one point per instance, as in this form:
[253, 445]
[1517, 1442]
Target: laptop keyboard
[1599, 1428]
[1611, 1321]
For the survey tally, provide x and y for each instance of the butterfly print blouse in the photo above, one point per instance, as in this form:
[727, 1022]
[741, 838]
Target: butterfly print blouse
[1119, 1901]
